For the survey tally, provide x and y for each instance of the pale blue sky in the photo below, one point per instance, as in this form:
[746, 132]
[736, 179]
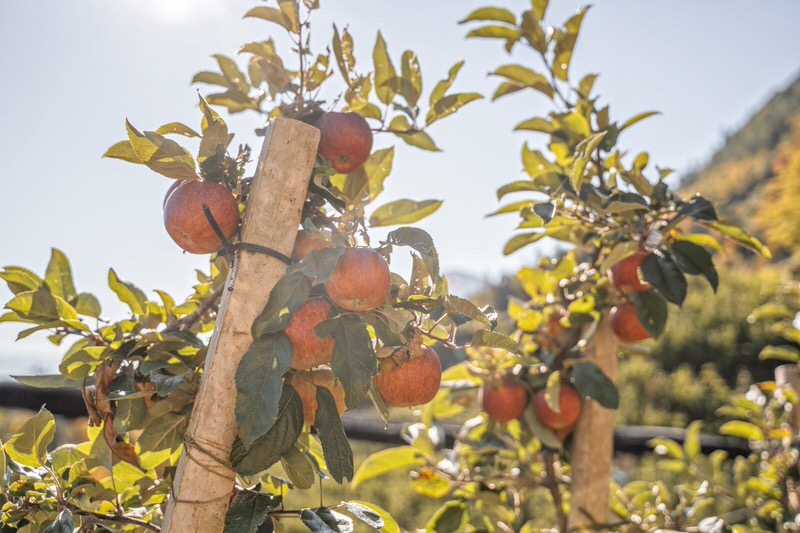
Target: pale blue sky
[73, 70]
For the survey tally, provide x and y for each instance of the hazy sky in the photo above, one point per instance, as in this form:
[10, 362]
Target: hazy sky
[73, 70]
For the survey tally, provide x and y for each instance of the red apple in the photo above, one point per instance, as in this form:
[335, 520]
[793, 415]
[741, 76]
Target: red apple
[309, 350]
[624, 275]
[410, 377]
[175, 185]
[360, 281]
[345, 140]
[626, 325]
[306, 383]
[305, 242]
[503, 397]
[186, 222]
[569, 406]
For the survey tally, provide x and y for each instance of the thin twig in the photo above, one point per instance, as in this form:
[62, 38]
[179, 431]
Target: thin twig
[203, 308]
[552, 485]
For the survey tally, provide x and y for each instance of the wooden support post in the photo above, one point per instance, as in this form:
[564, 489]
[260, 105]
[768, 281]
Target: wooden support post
[787, 375]
[203, 483]
[593, 444]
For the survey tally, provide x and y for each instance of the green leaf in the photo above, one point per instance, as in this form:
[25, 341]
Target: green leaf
[128, 293]
[403, 212]
[495, 32]
[385, 73]
[466, 308]
[28, 446]
[258, 382]
[235, 77]
[411, 84]
[323, 520]
[86, 304]
[641, 116]
[511, 208]
[536, 124]
[319, 264]
[123, 150]
[668, 447]
[414, 137]
[353, 359]
[522, 240]
[267, 450]
[270, 14]
[249, 510]
[54, 381]
[701, 239]
[539, 7]
[586, 84]
[20, 279]
[58, 276]
[664, 275]
[62, 524]
[289, 293]
[367, 514]
[449, 518]
[211, 78]
[493, 339]
[381, 462]
[590, 381]
[497, 14]
[177, 128]
[565, 43]
[739, 235]
[420, 241]
[743, 430]
[38, 305]
[444, 85]
[651, 309]
[695, 260]
[160, 438]
[786, 353]
[389, 324]
[299, 468]
[698, 208]
[335, 446]
[162, 155]
[343, 51]
[377, 168]
[523, 77]
[448, 105]
[691, 440]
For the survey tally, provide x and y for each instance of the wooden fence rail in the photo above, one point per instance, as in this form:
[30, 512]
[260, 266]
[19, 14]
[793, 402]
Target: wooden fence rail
[631, 439]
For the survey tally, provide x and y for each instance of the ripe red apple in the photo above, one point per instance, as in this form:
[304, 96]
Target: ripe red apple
[306, 383]
[624, 275]
[175, 185]
[360, 281]
[186, 222]
[309, 350]
[305, 242]
[503, 397]
[626, 325]
[345, 140]
[410, 377]
[569, 405]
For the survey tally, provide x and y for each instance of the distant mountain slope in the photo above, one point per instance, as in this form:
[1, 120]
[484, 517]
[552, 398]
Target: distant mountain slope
[737, 173]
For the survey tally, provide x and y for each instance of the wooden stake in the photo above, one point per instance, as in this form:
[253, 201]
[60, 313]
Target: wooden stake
[593, 444]
[204, 479]
[787, 375]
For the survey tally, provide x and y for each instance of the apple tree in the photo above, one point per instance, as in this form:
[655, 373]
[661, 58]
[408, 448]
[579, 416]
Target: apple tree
[338, 326]
[631, 243]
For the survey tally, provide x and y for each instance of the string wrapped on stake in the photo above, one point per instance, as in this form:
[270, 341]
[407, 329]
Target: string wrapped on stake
[230, 248]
